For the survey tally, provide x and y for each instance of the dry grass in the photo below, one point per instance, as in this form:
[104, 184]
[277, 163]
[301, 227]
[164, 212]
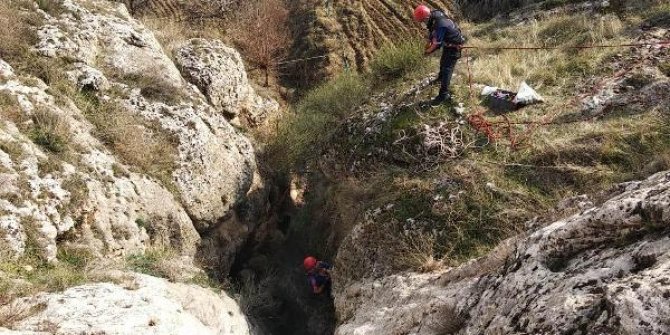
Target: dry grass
[257, 296]
[173, 33]
[51, 131]
[543, 69]
[137, 141]
[417, 251]
[13, 312]
[17, 23]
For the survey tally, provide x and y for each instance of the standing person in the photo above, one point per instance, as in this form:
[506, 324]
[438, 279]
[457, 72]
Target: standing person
[442, 33]
[318, 275]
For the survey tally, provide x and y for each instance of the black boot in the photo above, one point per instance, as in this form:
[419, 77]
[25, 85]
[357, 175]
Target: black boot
[441, 99]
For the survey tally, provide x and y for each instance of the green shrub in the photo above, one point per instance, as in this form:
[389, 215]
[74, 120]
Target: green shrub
[51, 131]
[79, 258]
[317, 118]
[392, 62]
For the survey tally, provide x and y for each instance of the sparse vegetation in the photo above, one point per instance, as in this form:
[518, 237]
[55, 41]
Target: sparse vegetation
[153, 87]
[271, 18]
[465, 204]
[393, 62]
[139, 143]
[78, 194]
[51, 131]
[313, 123]
[152, 262]
[31, 273]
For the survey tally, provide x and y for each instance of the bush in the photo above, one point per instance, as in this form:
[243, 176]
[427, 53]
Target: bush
[658, 16]
[392, 62]
[665, 68]
[52, 132]
[153, 87]
[315, 120]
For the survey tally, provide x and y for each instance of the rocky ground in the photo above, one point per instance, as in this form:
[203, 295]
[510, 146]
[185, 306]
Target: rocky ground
[601, 271]
[137, 304]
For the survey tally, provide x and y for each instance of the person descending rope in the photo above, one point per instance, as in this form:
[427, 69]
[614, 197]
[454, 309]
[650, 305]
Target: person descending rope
[442, 33]
[318, 275]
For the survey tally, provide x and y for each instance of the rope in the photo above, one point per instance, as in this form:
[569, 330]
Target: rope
[301, 60]
[595, 46]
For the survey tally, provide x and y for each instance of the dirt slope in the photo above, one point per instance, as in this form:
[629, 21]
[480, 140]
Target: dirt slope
[346, 33]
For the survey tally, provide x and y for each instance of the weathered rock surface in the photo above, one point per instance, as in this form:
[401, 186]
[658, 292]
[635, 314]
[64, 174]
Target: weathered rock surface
[605, 270]
[218, 71]
[143, 305]
[90, 193]
[216, 163]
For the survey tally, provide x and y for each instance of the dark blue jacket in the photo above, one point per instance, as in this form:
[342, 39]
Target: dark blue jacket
[444, 30]
[319, 276]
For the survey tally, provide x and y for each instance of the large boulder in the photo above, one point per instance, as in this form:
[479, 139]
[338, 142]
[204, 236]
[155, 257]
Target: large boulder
[218, 71]
[96, 194]
[139, 305]
[605, 270]
[216, 163]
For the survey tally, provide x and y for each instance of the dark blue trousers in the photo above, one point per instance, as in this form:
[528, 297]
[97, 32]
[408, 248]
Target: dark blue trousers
[448, 62]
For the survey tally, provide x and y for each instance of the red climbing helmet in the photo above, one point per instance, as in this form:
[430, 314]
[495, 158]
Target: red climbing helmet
[309, 263]
[421, 13]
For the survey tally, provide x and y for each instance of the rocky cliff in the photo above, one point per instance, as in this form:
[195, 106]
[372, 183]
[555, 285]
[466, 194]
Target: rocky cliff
[120, 71]
[110, 148]
[601, 271]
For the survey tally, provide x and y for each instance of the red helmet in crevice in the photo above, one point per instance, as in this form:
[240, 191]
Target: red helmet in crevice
[421, 13]
[309, 263]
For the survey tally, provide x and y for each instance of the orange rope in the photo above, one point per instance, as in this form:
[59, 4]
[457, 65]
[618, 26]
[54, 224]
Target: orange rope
[596, 46]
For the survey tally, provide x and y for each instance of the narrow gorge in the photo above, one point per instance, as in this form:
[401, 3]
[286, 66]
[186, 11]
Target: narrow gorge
[149, 185]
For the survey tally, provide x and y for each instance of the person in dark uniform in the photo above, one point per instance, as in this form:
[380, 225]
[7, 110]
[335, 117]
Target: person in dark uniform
[318, 275]
[442, 33]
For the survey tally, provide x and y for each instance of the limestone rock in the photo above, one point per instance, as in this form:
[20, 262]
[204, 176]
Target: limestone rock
[89, 194]
[114, 56]
[601, 271]
[218, 71]
[147, 305]
[216, 163]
